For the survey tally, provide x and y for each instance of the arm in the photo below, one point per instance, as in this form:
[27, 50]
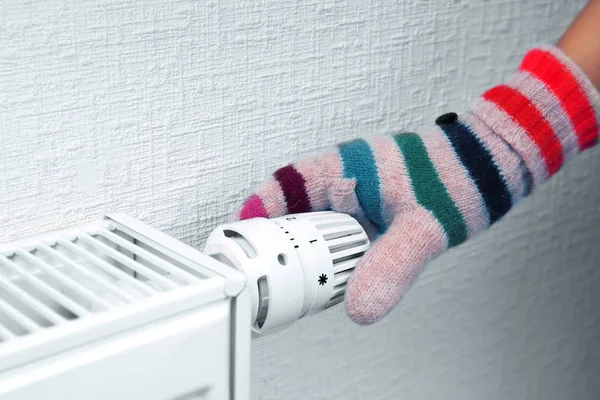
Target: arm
[425, 193]
[581, 41]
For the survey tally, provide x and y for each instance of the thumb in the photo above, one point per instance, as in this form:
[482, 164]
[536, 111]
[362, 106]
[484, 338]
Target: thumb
[390, 267]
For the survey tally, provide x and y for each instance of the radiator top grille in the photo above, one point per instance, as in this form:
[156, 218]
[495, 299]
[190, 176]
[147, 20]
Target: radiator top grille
[72, 274]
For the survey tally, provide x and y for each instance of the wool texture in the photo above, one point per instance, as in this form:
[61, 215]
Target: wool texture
[423, 193]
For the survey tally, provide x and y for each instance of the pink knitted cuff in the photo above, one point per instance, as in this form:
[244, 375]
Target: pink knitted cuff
[547, 112]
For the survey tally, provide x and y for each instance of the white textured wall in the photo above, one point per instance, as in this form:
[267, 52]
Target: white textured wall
[173, 110]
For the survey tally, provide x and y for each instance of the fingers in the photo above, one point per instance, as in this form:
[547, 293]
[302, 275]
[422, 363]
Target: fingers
[267, 202]
[295, 188]
[390, 267]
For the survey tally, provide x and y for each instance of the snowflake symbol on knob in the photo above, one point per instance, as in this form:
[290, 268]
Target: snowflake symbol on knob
[322, 279]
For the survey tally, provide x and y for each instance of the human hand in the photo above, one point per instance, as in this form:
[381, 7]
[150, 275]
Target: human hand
[424, 193]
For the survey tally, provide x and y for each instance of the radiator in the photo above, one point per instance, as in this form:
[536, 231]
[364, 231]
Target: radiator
[119, 310]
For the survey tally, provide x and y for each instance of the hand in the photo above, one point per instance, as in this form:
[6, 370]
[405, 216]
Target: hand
[410, 190]
[424, 193]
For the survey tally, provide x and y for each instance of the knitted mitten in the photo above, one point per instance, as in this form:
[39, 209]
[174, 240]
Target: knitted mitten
[424, 193]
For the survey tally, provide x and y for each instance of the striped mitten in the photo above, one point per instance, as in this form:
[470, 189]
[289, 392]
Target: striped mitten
[424, 193]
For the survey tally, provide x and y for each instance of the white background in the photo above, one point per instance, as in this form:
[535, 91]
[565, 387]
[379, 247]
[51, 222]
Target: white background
[173, 111]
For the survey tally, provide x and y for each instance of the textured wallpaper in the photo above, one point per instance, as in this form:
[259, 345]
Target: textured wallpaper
[173, 111]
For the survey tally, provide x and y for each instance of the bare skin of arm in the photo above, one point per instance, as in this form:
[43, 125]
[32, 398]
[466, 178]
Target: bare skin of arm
[581, 41]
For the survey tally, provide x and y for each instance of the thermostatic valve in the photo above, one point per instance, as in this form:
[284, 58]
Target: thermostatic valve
[296, 265]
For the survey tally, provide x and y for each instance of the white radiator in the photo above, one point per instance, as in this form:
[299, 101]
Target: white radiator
[119, 310]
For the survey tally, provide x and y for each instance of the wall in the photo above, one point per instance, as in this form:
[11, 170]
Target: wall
[174, 110]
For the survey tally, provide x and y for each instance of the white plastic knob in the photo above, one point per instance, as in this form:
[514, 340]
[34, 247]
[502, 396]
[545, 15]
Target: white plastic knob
[296, 265]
